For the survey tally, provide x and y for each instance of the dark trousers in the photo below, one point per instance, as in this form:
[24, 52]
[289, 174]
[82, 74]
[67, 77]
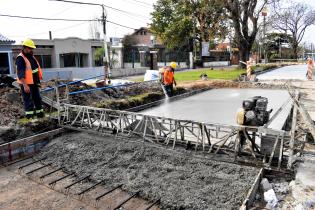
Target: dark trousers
[169, 90]
[32, 100]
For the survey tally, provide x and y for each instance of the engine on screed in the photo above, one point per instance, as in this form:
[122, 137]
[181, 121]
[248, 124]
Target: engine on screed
[254, 112]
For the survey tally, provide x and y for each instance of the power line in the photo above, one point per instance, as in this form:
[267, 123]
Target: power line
[103, 5]
[53, 19]
[63, 19]
[117, 24]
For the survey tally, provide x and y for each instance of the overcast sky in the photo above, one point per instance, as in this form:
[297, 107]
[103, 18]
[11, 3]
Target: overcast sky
[19, 29]
[138, 16]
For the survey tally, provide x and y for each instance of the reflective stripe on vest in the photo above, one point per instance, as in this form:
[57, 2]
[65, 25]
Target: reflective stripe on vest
[35, 71]
[29, 72]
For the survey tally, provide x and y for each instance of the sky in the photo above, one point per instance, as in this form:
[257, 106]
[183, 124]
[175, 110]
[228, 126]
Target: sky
[136, 14]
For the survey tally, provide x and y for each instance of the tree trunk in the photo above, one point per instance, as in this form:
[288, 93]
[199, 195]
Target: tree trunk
[295, 48]
[244, 52]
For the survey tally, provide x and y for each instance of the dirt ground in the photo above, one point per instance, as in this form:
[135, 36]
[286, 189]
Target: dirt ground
[19, 193]
[228, 84]
[10, 111]
[180, 180]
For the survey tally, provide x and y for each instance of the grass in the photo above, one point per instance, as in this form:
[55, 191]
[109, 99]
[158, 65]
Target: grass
[212, 74]
[194, 75]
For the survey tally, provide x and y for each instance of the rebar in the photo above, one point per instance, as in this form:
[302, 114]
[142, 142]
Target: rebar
[153, 204]
[76, 182]
[126, 200]
[90, 188]
[106, 193]
[52, 172]
[57, 180]
[36, 161]
[37, 169]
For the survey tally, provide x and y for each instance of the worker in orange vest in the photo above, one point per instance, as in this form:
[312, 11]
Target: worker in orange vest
[29, 75]
[167, 78]
[310, 67]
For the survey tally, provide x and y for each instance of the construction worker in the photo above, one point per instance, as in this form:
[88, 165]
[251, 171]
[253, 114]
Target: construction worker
[249, 67]
[29, 75]
[167, 78]
[310, 67]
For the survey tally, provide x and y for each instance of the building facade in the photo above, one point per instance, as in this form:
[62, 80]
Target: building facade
[63, 53]
[6, 57]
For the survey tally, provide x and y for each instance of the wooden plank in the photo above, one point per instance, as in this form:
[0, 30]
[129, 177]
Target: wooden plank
[252, 192]
[29, 140]
[293, 129]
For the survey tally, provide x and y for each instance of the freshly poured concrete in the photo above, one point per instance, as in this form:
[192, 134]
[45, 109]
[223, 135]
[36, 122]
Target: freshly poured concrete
[219, 106]
[177, 177]
[296, 72]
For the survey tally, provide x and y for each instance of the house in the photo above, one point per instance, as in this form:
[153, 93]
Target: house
[62, 53]
[143, 48]
[6, 61]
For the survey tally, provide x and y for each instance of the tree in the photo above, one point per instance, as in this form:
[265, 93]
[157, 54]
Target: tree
[295, 19]
[245, 15]
[274, 42]
[178, 23]
[99, 55]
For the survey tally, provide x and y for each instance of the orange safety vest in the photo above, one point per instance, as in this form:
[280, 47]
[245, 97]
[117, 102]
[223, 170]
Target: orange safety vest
[29, 71]
[168, 77]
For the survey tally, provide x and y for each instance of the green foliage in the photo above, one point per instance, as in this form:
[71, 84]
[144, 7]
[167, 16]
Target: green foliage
[99, 54]
[177, 23]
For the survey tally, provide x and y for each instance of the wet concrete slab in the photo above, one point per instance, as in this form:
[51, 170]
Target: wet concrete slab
[178, 178]
[296, 72]
[220, 106]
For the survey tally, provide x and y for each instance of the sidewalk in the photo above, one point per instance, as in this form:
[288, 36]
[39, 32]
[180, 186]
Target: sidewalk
[303, 187]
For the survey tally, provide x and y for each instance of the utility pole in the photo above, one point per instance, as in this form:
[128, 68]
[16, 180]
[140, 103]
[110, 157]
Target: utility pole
[264, 14]
[280, 53]
[106, 58]
[107, 73]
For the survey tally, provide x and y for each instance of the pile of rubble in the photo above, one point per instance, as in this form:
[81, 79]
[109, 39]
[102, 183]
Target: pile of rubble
[11, 108]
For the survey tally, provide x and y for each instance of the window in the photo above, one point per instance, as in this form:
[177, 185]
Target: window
[4, 63]
[44, 60]
[74, 60]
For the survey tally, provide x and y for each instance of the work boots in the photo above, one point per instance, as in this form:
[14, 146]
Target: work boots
[40, 115]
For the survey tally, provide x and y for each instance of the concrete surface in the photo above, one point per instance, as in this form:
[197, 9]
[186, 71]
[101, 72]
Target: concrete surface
[179, 179]
[220, 106]
[296, 72]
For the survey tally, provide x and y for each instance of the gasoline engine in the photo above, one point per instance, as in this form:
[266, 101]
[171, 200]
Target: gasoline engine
[254, 112]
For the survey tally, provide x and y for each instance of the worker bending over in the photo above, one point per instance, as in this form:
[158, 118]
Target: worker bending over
[29, 75]
[167, 78]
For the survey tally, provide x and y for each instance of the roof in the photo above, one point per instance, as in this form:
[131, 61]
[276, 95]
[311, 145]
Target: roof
[140, 29]
[5, 40]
